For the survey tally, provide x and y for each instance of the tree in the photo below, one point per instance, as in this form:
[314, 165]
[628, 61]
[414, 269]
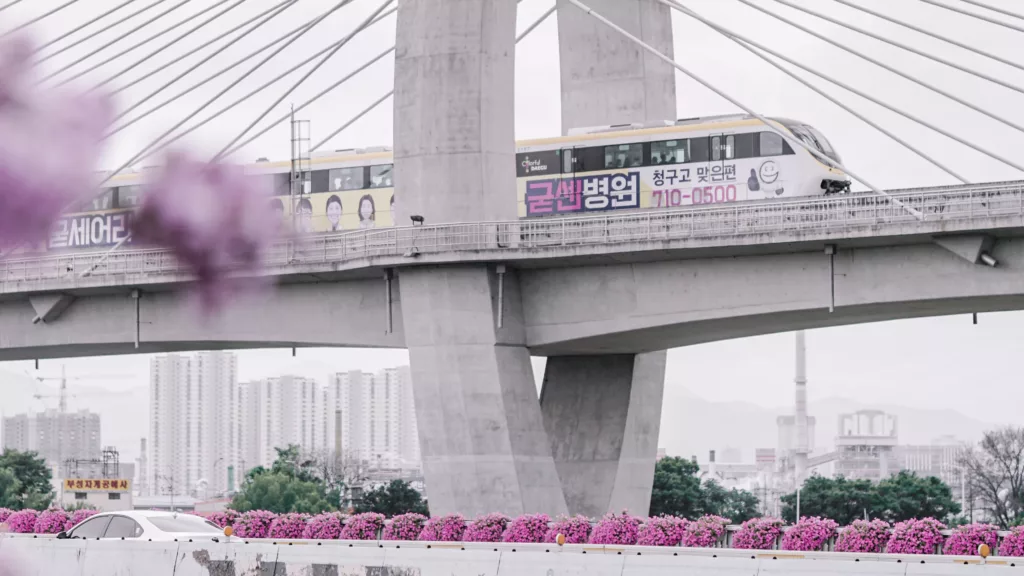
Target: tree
[33, 476]
[740, 506]
[395, 498]
[995, 475]
[676, 489]
[907, 495]
[837, 498]
[10, 489]
[339, 469]
[281, 493]
[291, 485]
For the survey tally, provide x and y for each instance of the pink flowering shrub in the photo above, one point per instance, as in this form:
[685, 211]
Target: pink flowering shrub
[758, 534]
[576, 529]
[487, 528]
[22, 522]
[1013, 543]
[223, 518]
[49, 145]
[215, 220]
[916, 537]
[288, 526]
[51, 521]
[444, 529]
[405, 527]
[528, 528]
[661, 531]
[704, 532]
[964, 540]
[364, 526]
[254, 524]
[326, 526]
[616, 529]
[809, 534]
[5, 513]
[79, 516]
[863, 536]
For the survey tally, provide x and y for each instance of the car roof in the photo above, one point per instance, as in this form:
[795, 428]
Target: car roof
[146, 514]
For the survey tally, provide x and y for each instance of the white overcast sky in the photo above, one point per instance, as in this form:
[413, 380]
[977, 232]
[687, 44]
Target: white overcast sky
[930, 363]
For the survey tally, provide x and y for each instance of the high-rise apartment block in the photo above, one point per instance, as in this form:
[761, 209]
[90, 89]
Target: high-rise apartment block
[55, 436]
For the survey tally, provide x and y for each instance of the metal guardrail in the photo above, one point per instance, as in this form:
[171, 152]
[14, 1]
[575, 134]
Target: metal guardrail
[834, 215]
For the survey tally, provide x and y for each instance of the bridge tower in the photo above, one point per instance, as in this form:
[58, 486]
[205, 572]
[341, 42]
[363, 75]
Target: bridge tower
[486, 445]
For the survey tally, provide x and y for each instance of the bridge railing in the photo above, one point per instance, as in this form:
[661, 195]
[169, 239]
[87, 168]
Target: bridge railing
[749, 222]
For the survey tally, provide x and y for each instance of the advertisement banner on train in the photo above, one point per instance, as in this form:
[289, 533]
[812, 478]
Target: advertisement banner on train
[96, 230]
[651, 187]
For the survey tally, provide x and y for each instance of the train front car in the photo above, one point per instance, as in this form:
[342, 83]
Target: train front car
[699, 161]
[821, 175]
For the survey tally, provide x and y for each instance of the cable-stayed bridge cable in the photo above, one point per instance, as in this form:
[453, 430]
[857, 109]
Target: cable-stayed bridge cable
[742, 41]
[881, 64]
[920, 30]
[362, 26]
[870, 98]
[911, 49]
[179, 38]
[154, 37]
[266, 15]
[526, 32]
[38, 18]
[86, 24]
[218, 75]
[982, 17]
[115, 40]
[146, 150]
[994, 8]
[788, 137]
[8, 5]
[100, 31]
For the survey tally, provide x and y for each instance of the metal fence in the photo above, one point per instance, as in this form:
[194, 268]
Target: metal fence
[746, 222]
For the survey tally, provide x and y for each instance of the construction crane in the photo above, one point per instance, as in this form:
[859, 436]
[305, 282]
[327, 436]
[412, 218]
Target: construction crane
[62, 395]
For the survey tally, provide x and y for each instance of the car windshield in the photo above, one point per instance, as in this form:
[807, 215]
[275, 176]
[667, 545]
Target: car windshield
[184, 523]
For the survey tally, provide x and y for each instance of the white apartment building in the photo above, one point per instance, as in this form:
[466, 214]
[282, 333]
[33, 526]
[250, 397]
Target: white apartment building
[54, 436]
[275, 413]
[371, 417]
[193, 408]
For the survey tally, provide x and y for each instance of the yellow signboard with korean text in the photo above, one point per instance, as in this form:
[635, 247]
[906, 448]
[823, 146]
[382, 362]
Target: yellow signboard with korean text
[97, 485]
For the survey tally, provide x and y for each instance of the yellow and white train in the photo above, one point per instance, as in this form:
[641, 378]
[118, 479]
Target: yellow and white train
[697, 161]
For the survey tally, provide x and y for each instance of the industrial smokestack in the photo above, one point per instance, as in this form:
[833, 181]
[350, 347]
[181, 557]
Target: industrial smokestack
[802, 441]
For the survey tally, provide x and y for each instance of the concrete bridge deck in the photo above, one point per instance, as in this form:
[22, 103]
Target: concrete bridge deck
[699, 232]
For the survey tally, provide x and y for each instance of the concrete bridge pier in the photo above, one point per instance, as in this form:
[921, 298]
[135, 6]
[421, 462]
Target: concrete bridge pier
[603, 415]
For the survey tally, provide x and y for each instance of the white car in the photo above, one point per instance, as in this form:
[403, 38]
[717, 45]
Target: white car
[145, 525]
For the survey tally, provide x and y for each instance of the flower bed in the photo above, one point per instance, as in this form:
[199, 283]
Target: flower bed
[528, 528]
[916, 537]
[254, 524]
[576, 529]
[616, 529]
[705, 532]
[758, 534]
[51, 521]
[661, 531]
[444, 529]
[79, 516]
[487, 528]
[288, 526]
[326, 526]
[1013, 543]
[964, 540]
[863, 536]
[809, 534]
[364, 526]
[22, 521]
[405, 527]
[224, 518]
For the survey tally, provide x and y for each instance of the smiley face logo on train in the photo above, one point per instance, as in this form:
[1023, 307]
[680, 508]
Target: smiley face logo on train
[769, 172]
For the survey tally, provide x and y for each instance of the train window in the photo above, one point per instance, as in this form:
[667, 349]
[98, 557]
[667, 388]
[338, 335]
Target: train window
[589, 159]
[670, 152]
[699, 149]
[103, 201]
[129, 196]
[382, 176]
[716, 148]
[320, 181]
[346, 179]
[730, 147]
[567, 161]
[623, 156]
[746, 145]
[282, 184]
[770, 144]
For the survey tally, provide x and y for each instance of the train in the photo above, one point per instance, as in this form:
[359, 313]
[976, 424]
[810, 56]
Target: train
[665, 165]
